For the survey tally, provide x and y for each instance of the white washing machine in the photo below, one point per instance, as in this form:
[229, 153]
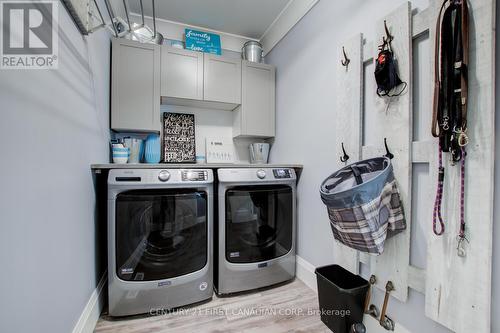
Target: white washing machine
[159, 239]
[255, 233]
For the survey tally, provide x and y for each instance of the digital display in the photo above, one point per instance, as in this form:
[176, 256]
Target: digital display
[192, 175]
[281, 173]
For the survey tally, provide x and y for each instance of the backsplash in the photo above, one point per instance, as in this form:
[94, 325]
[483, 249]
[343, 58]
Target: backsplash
[214, 123]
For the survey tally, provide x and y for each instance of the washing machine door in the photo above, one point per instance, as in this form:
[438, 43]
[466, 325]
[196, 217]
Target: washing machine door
[160, 234]
[259, 222]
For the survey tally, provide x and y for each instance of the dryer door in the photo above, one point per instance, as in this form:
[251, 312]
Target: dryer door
[259, 222]
[160, 234]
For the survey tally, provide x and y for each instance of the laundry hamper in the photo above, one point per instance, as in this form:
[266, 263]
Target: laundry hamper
[364, 205]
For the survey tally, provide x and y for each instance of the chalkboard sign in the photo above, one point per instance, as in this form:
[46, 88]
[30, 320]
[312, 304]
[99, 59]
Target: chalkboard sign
[178, 138]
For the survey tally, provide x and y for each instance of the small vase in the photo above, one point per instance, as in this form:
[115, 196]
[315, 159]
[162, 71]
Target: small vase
[152, 149]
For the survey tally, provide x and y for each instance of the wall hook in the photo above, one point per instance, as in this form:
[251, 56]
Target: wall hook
[388, 154]
[387, 39]
[344, 157]
[345, 62]
[385, 321]
[373, 280]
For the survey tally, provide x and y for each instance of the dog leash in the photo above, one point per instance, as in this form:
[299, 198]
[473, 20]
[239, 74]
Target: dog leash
[449, 115]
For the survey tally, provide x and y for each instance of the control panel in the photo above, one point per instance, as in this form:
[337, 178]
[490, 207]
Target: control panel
[282, 173]
[194, 175]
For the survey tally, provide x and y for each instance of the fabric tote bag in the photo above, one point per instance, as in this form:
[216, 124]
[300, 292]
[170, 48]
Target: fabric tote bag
[364, 205]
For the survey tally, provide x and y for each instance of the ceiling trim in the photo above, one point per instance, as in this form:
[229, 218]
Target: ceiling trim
[284, 22]
[175, 30]
[196, 27]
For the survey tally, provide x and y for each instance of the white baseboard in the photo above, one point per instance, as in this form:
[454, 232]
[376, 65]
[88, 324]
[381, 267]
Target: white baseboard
[88, 319]
[305, 273]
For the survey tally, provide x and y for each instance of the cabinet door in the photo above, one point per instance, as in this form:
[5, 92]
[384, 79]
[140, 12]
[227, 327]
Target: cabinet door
[258, 100]
[181, 73]
[222, 79]
[135, 86]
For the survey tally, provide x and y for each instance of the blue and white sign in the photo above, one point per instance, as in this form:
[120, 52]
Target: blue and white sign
[202, 41]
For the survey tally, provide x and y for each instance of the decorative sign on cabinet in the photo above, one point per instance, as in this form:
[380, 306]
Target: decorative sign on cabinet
[202, 41]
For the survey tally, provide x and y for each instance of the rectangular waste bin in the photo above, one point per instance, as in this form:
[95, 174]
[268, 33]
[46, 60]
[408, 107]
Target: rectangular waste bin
[341, 297]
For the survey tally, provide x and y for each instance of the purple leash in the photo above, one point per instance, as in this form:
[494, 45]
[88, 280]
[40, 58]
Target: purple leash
[437, 217]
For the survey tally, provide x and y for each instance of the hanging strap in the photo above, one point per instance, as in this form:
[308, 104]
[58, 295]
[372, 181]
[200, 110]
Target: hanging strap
[449, 112]
[437, 80]
[449, 109]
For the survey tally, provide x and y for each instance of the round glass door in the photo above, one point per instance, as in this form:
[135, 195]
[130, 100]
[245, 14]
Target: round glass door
[160, 234]
[259, 223]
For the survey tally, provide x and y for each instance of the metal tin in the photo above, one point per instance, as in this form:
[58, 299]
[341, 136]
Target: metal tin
[252, 51]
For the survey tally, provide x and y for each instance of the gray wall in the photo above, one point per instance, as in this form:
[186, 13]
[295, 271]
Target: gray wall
[53, 125]
[305, 131]
[495, 310]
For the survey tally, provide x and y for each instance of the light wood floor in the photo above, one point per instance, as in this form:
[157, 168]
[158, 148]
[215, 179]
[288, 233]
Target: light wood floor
[288, 308]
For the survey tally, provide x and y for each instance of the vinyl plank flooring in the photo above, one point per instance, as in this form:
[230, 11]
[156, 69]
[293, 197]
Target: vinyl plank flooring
[292, 307]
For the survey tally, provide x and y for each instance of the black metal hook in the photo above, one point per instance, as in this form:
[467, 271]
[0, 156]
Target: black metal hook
[345, 157]
[388, 154]
[387, 39]
[345, 62]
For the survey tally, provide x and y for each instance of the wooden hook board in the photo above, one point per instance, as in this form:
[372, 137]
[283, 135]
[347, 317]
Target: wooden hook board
[349, 107]
[391, 118]
[457, 290]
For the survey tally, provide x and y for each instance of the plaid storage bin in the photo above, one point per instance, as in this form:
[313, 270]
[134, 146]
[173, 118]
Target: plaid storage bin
[363, 204]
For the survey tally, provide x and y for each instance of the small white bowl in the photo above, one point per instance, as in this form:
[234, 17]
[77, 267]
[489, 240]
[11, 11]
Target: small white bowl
[120, 160]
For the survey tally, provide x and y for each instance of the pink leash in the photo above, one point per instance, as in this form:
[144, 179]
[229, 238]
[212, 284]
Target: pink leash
[437, 217]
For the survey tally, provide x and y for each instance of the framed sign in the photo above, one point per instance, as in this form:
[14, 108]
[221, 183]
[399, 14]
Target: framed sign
[178, 138]
[202, 41]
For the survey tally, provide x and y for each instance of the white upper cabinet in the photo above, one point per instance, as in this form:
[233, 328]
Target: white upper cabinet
[135, 82]
[256, 115]
[222, 79]
[141, 73]
[181, 73]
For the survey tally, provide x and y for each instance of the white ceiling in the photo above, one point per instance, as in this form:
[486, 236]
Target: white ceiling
[248, 18]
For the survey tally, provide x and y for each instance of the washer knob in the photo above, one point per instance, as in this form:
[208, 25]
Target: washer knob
[164, 175]
[261, 174]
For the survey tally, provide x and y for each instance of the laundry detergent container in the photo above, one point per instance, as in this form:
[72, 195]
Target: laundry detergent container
[341, 297]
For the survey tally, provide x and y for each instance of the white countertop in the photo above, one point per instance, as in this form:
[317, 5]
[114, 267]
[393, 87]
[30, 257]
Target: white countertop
[108, 166]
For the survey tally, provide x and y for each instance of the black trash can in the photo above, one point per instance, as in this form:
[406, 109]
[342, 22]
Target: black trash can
[341, 296]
